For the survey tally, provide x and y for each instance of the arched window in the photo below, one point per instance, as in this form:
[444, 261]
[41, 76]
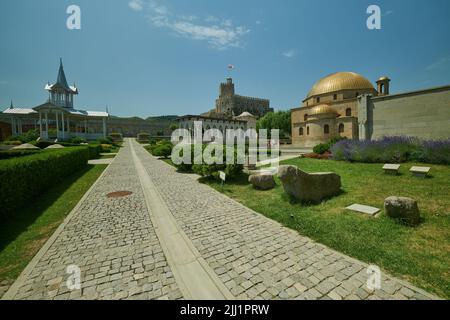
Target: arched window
[348, 112]
[305, 117]
[326, 129]
[341, 128]
[318, 99]
[301, 131]
[307, 131]
[335, 97]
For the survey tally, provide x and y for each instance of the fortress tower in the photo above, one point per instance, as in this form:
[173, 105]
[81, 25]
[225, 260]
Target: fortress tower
[227, 88]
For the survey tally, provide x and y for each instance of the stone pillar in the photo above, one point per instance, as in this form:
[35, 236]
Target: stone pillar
[19, 122]
[86, 128]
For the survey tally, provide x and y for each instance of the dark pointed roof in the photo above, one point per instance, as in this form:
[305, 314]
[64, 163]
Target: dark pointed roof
[62, 77]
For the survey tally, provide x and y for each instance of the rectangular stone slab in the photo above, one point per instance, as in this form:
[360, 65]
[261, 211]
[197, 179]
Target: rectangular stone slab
[389, 166]
[364, 209]
[420, 169]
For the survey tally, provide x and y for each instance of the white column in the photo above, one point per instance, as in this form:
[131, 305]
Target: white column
[13, 129]
[85, 128]
[68, 127]
[19, 122]
[46, 125]
[57, 125]
[63, 126]
[104, 127]
[40, 126]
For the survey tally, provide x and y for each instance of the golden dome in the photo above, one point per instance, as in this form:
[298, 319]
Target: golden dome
[340, 81]
[383, 78]
[322, 109]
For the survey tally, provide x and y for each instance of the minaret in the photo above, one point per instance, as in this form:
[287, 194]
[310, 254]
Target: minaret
[383, 86]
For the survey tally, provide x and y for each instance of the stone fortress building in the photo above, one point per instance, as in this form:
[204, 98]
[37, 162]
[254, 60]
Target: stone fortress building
[345, 104]
[232, 111]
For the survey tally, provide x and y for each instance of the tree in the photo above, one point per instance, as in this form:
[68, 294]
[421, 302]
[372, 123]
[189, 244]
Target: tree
[173, 127]
[279, 120]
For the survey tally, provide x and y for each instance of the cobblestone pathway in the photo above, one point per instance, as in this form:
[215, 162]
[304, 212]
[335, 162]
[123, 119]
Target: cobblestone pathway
[120, 255]
[112, 240]
[256, 257]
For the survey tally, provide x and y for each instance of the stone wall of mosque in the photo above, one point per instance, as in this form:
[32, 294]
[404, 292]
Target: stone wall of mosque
[424, 114]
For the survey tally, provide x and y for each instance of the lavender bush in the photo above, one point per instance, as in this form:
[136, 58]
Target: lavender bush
[393, 149]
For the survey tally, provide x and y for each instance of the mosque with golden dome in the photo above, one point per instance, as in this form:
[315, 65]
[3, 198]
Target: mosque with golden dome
[346, 104]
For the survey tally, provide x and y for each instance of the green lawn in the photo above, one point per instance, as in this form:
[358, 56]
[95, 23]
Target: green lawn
[22, 236]
[420, 255]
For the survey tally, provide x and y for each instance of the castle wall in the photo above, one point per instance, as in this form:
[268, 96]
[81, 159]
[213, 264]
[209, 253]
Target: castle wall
[424, 114]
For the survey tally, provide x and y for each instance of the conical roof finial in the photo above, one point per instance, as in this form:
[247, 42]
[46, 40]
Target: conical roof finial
[11, 106]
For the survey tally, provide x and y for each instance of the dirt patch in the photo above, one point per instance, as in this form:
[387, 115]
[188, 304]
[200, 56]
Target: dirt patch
[119, 194]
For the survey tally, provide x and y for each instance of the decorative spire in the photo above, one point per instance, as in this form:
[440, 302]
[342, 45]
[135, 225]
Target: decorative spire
[11, 106]
[62, 76]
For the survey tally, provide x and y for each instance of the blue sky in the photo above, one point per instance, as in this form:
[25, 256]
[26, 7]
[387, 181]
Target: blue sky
[150, 57]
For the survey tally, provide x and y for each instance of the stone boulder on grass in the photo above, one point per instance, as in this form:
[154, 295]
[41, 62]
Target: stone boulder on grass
[309, 187]
[262, 181]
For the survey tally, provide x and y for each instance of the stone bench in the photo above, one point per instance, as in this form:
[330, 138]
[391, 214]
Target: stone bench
[391, 168]
[420, 172]
[309, 187]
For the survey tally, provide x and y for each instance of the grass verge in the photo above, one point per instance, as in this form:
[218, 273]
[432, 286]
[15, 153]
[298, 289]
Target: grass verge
[21, 238]
[420, 255]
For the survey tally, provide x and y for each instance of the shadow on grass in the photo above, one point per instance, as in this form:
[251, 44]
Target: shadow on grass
[21, 219]
[240, 180]
[294, 201]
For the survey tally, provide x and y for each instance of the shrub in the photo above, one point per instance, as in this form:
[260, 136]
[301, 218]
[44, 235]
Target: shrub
[212, 171]
[326, 147]
[163, 150]
[12, 143]
[321, 148]
[94, 151]
[26, 137]
[77, 140]
[107, 140]
[9, 154]
[393, 149]
[23, 178]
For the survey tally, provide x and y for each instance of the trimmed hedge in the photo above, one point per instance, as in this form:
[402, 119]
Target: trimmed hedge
[94, 151]
[9, 154]
[162, 148]
[21, 179]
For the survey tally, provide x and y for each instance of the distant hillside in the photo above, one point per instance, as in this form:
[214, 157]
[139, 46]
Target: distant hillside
[162, 118]
[131, 126]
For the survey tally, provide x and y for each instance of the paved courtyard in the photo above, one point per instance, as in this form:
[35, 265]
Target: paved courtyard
[174, 238]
